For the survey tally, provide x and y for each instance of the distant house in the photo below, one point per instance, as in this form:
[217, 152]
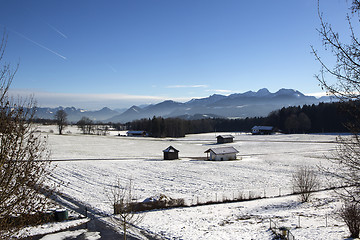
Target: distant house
[262, 130]
[136, 133]
[221, 154]
[171, 153]
[224, 139]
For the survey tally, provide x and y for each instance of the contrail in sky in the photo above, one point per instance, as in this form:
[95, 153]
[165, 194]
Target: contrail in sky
[57, 30]
[40, 45]
[113, 69]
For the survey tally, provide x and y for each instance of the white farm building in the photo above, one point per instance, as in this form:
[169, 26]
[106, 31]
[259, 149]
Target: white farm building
[221, 154]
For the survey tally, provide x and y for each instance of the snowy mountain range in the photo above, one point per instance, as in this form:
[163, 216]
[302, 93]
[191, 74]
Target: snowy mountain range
[238, 105]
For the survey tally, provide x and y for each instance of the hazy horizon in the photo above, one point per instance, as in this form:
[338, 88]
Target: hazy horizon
[96, 101]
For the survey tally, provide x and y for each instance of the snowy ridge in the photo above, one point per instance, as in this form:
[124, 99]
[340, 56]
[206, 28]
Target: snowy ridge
[239, 105]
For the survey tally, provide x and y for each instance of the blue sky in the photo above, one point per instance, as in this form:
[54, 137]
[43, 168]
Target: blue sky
[92, 54]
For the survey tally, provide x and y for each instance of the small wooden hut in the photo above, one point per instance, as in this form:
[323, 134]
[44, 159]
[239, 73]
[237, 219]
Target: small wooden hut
[171, 153]
[225, 139]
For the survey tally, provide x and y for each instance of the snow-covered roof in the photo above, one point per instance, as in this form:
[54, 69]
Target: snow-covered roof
[222, 150]
[135, 132]
[225, 136]
[266, 128]
[158, 198]
[171, 149]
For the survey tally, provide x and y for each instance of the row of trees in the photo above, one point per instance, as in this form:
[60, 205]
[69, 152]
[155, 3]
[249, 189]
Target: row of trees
[171, 127]
[85, 124]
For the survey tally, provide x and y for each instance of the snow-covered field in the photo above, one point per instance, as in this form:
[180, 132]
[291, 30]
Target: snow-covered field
[265, 169]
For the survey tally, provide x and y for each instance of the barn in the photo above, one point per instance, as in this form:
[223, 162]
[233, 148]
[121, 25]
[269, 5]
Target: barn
[221, 154]
[262, 130]
[225, 139]
[171, 153]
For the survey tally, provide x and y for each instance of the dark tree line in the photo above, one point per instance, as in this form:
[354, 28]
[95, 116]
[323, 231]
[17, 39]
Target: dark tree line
[324, 117]
[171, 127]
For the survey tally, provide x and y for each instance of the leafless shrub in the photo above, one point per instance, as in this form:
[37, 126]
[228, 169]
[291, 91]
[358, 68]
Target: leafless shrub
[177, 202]
[160, 202]
[350, 213]
[304, 182]
[346, 161]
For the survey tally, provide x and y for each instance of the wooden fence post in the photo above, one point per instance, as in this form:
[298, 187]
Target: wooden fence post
[326, 220]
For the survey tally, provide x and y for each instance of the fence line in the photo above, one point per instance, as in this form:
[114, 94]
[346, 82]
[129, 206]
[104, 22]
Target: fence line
[250, 194]
[234, 196]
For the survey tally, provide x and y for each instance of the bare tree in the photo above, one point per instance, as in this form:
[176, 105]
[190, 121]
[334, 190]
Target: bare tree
[22, 174]
[61, 120]
[346, 88]
[101, 129]
[346, 70]
[123, 203]
[305, 182]
[86, 125]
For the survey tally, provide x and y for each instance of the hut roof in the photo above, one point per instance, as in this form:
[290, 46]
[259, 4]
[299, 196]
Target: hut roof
[222, 150]
[225, 136]
[171, 149]
[136, 132]
[266, 128]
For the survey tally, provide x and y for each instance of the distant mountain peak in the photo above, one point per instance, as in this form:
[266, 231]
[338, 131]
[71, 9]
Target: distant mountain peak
[246, 94]
[134, 108]
[208, 100]
[262, 92]
[216, 95]
[168, 103]
[289, 92]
